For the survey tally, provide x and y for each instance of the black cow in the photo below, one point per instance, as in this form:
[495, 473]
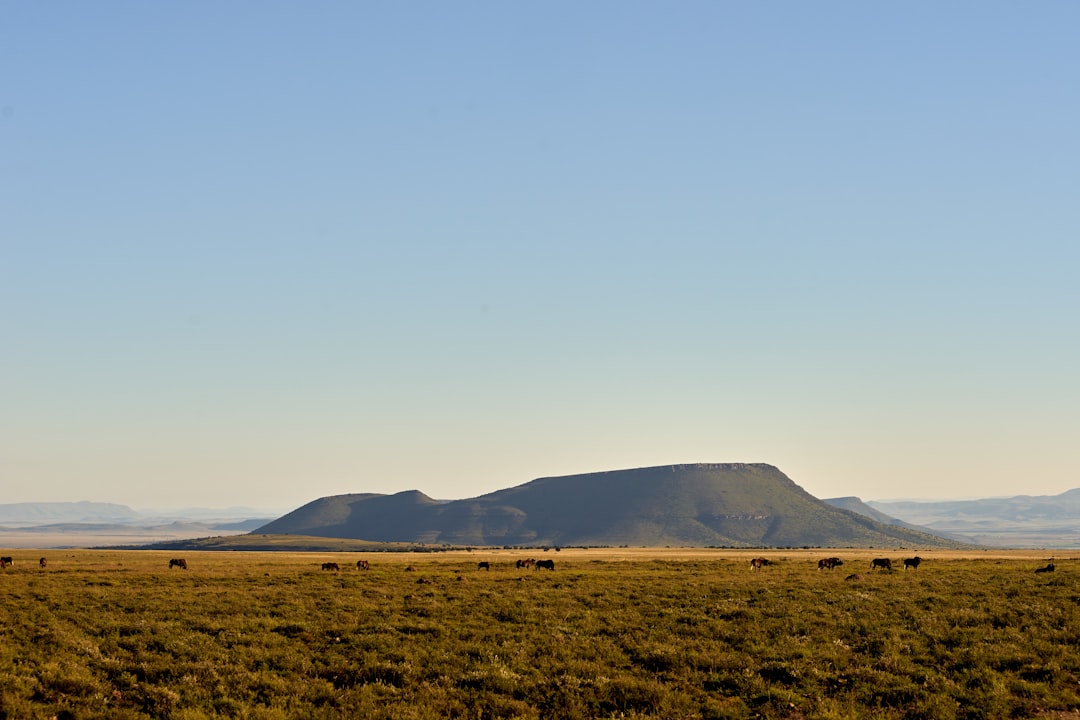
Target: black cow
[1049, 567]
[912, 562]
[178, 562]
[330, 566]
[483, 565]
[546, 564]
[5, 561]
[881, 564]
[42, 562]
[829, 563]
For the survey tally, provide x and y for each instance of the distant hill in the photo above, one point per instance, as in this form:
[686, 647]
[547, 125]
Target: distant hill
[856, 505]
[1020, 521]
[702, 505]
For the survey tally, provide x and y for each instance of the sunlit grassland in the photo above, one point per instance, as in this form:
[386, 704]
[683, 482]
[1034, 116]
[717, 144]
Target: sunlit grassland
[618, 633]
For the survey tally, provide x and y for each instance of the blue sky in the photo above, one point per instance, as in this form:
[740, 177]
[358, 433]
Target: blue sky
[259, 253]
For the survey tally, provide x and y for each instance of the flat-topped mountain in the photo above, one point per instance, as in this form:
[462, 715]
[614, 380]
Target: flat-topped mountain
[702, 505]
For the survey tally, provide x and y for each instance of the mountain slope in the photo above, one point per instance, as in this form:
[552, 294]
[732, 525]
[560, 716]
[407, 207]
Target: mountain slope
[733, 505]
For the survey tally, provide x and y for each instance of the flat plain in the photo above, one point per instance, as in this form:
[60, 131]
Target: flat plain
[610, 633]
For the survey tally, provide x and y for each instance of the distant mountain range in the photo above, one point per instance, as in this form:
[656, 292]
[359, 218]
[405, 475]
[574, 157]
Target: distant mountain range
[702, 505]
[856, 505]
[23, 514]
[81, 524]
[53, 512]
[1022, 521]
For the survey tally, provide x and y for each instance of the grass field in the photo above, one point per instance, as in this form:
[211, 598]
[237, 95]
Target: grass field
[608, 634]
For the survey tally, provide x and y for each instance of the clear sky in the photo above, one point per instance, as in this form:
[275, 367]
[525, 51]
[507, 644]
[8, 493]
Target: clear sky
[262, 252]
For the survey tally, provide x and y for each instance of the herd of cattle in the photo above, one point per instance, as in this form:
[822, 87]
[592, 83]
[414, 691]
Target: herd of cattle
[883, 564]
[360, 565]
[522, 564]
[482, 565]
[757, 563]
[7, 561]
[831, 563]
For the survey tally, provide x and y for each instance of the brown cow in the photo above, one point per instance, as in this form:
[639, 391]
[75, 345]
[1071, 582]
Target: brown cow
[178, 562]
[758, 563]
[42, 562]
[881, 564]
[330, 566]
[526, 563]
[362, 565]
[912, 562]
[829, 563]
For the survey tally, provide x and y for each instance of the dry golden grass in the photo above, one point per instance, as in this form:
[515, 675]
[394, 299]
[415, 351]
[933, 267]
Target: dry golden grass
[639, 633]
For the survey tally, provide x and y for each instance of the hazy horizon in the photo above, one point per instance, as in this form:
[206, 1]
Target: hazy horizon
[248, 507]
[286, 252]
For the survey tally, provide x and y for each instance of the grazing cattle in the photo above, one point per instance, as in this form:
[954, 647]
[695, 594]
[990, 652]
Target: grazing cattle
[881, 564]
[483, 565]
[362, 565]
[829, 563]
[546, 564]
[853, 577]
[758, 563]
[42, 562]
[330, 566]
[178, 562]
[1049, 567]
[5, 561]
[526, 563]
[912, 563]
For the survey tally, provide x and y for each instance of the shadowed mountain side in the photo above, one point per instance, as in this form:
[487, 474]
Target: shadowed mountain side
[368, 516]
[856, 505]
[732, 505]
